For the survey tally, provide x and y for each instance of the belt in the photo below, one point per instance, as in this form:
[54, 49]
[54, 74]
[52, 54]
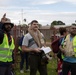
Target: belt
[34, 53]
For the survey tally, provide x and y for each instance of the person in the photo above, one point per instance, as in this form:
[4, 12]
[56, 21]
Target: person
[6, 46]
[32, 43]
[24, 56]
[68, 48]
[63, 33]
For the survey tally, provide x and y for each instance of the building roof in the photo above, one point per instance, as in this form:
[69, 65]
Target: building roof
[56, 26]
[45, 27]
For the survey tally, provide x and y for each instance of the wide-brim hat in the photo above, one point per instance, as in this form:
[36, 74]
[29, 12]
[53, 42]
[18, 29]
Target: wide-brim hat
[8, 21]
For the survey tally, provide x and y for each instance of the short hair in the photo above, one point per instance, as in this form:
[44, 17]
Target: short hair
[62, 30]
[34, 21]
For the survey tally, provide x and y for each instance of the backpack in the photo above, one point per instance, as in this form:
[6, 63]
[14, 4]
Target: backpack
[55, 45]
[20, 41]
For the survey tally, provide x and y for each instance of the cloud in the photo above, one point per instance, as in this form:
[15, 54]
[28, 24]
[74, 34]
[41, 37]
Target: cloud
[39, 2]
[71, 1]
[43, 16]
[4, 3]
[46, 18]
[7, 3]
[66, 17]
[30, 2]
[15, 13]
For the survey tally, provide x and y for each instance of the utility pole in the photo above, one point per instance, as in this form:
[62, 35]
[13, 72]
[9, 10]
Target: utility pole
[22, 16]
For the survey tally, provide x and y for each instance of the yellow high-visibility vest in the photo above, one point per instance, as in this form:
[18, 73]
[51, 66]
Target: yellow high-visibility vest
[74, 46]
[6, 50]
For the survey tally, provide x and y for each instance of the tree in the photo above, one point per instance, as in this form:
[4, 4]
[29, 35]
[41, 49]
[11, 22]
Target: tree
[57, 23]
[54, 23]
[74, 24]
[39, 25]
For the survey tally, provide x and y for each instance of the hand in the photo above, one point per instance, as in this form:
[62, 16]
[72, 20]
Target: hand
[44, 45]
[3, 19]
[37, 50]
[4, 16]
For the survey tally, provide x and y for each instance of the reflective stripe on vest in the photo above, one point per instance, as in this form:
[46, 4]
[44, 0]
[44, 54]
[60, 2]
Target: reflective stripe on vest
[6, 50]
[4, 56]
[19, 48]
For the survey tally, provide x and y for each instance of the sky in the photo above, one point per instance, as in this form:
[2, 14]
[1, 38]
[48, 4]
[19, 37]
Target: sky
[45, 11]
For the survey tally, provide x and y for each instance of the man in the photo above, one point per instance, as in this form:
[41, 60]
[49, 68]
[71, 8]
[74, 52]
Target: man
[68, 48]
[32, 43]
[24, 57]
[6, 47]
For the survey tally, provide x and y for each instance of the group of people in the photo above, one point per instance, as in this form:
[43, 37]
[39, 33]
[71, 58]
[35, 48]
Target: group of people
[67, 51]
[32, 43]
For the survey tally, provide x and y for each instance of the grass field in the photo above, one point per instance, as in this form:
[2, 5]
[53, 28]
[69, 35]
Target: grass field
[52, 65]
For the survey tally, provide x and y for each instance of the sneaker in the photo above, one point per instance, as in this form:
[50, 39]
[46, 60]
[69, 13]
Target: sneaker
[21, 71]
[27, 70]
[49, 57]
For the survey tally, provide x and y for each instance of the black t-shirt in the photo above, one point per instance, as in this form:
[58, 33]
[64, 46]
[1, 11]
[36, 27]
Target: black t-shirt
[1, 25]
[1, 33]
[1, 36]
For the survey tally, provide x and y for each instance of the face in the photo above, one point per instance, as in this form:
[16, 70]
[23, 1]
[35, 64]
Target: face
[73, 30]
[65, 33]
[35, 26]
[8, 27]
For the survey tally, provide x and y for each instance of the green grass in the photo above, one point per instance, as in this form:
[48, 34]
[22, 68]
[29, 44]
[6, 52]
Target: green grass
[52, 65]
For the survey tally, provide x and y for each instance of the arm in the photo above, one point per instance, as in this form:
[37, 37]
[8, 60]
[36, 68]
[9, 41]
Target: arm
[3, 19]
[61, 48]
[24, 48]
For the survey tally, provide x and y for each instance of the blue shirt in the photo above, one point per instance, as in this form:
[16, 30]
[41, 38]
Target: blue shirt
[70, 59]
